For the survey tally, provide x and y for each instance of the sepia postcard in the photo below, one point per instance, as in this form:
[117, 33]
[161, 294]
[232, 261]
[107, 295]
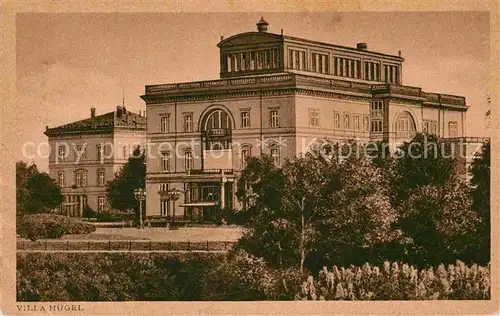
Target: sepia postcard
[257, 158]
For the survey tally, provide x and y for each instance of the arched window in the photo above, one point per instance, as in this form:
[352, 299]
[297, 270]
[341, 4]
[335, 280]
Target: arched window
[405, 125]
[101, 178]
[217, 119]
[217, 130]
[60, 179]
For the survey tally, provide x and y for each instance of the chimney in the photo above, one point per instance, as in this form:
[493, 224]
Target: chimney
[119, 111]
[362, 46]
[92, 112]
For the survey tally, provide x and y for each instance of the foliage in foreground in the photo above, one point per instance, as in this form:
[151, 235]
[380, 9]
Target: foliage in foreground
[395, 282]
[38, 226]
[229, 277]
[36, 192]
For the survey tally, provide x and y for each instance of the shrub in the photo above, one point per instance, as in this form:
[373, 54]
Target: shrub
[37, 226]
[108, 217]
[88, 212]
[398, 282]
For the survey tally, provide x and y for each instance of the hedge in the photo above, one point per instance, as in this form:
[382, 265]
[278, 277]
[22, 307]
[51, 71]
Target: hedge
[38, 226]
[233, 276]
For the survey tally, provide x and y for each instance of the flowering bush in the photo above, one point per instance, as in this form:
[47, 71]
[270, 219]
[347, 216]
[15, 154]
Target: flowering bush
[395, 282]
[37, 226]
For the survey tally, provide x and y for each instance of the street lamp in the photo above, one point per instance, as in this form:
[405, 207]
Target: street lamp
[174, 196]
[140, 195]
[171, 195]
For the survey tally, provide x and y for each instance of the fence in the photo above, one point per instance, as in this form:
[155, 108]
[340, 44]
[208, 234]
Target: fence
[122, 245]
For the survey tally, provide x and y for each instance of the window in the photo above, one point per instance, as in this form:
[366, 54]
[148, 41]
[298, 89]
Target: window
[81, 151]
[377, 116]
[366, 123]
[245, 153]
[391, 74]
[275, 118]
[297, 59]
[101, 202]
[245, 119]
[452, 129]
[405, 126]
[101, 179]
[61, 152]
[125, 152]
[275, 155]
[100, 152]
[372, 71]
[347, 121]
[165, 161]
[60, 179]
[163, 204]
[319, 63]
[81, 178]
[345, 67]
[313, 117]
[357, 123]
[336, 120]
[188, 160]
[188, 122]
[165, 126]
[430, 127]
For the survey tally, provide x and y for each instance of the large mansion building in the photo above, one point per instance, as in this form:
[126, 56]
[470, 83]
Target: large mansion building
[86, 154]
[276, 94]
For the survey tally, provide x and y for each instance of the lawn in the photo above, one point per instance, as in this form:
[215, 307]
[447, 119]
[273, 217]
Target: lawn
[192, 234]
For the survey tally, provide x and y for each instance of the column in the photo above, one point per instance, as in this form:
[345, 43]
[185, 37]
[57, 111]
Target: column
[80, 212]
[222, 194]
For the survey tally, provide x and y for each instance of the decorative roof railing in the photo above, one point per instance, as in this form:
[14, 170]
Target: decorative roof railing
[306, 81]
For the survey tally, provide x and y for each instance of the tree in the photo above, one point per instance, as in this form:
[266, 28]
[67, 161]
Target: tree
[36, 192]
[131, 176]
[480, 183]
[315, 207]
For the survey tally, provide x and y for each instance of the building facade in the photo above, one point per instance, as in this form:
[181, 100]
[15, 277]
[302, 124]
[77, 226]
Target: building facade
[276, 95]
[86, 154]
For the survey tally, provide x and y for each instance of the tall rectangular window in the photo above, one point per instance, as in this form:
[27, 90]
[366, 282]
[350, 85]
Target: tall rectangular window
[366, 123]
[165, 161]
[188, 122]
[314, 117]
[452, 129]
[347, 121]
[391, 74]
[188, 160]
[426, 127]
[357, 123]
[337, 124]
[320, 63]
[100, 152]
[275, 118]
[101, 179]
[372, 71]
[82, 151]
[433, 128]
[245, 153]
[275, 155]
[60, 179]
[61, 153]
[164, 205]
[101, 203]
[296, 59]
[245, 119]
[164, 124]
[377, 116]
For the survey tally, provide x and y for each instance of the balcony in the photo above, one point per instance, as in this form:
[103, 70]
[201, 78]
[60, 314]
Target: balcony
[218, 132]
[211, 171]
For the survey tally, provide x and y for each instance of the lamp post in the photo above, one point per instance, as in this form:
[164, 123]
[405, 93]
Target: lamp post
[140, 195]
[174, 195]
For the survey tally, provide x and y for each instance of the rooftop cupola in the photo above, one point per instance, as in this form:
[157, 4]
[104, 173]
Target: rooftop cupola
[262, 25]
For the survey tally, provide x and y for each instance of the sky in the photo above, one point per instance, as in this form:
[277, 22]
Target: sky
[69, 62]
